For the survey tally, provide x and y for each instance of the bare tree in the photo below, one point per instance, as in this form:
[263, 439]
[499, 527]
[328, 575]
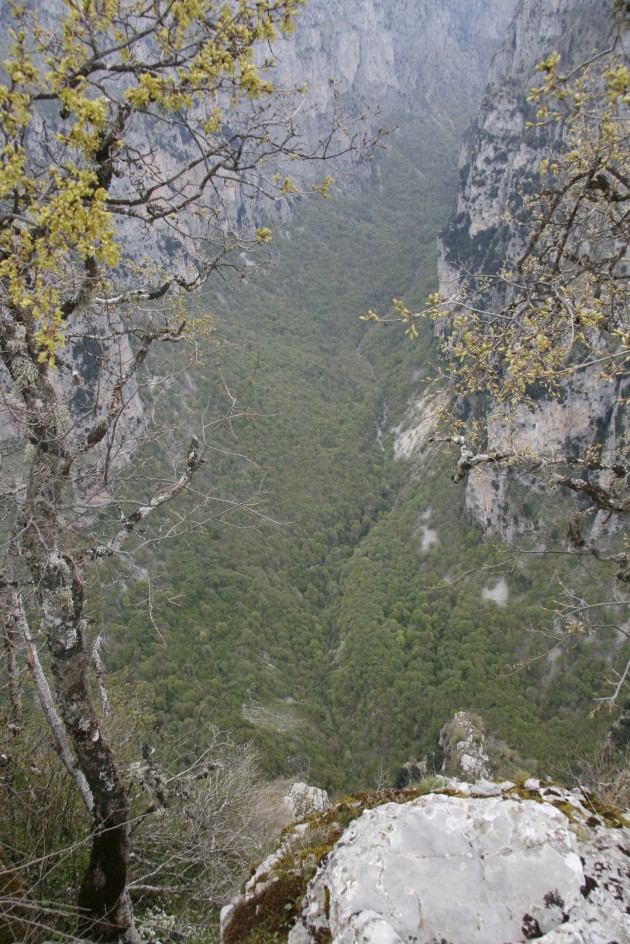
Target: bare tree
[197, 819]
[209, 821]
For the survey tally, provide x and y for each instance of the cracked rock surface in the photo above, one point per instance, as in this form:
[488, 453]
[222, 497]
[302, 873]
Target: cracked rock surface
[444, 869]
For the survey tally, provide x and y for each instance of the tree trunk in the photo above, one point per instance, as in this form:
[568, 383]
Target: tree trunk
[103, 899]
[106, 912]
[14, 688]
[106, 909]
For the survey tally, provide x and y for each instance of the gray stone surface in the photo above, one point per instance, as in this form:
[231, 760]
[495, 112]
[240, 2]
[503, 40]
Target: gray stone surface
[474, 870]
[464, 744]
[498, 858]
[459, 866]
[302, 799]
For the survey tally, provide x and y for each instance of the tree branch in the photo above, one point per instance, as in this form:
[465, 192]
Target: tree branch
[603, 497]
[48, 706]
[193, 462]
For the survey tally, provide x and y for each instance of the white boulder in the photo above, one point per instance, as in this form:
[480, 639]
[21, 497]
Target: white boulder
[481, 863]
[471, 870]
[302, 800]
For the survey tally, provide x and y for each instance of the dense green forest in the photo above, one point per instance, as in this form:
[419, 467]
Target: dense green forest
[336, 636]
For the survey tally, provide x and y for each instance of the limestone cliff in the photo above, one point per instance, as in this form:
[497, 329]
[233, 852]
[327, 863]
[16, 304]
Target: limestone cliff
[499, 152]
[398, 54]
[499, 156]
[396, 60]
[377, 64]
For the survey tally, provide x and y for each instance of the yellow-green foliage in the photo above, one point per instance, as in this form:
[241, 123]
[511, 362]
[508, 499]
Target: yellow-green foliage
[108, 61]
[568, 293]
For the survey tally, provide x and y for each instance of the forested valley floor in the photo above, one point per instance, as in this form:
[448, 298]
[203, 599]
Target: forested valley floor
[340, 631]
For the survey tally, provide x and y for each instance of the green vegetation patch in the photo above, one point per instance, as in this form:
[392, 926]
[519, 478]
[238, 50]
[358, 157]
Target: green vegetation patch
[268, 915]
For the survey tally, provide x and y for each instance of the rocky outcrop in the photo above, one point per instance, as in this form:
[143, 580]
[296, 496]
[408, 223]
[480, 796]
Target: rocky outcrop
[472, 752]
[588, 413]
[472, 870]
[464, 744]
[301, 800]
[499, 157]
[466, 864]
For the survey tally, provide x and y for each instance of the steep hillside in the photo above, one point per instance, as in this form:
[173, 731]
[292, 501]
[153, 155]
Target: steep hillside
[436, 614]
[342, 637]
[248, 645]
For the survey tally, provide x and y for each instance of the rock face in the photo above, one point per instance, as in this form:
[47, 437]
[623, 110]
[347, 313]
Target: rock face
[500, 153]
[498, 156]
[398, 60]
[400, 55]
[462, 867]
[302, 800]
[464, 745]
[511, 863]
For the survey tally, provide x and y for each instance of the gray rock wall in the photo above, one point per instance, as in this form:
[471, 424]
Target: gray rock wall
[497, 157]
[399, 54]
